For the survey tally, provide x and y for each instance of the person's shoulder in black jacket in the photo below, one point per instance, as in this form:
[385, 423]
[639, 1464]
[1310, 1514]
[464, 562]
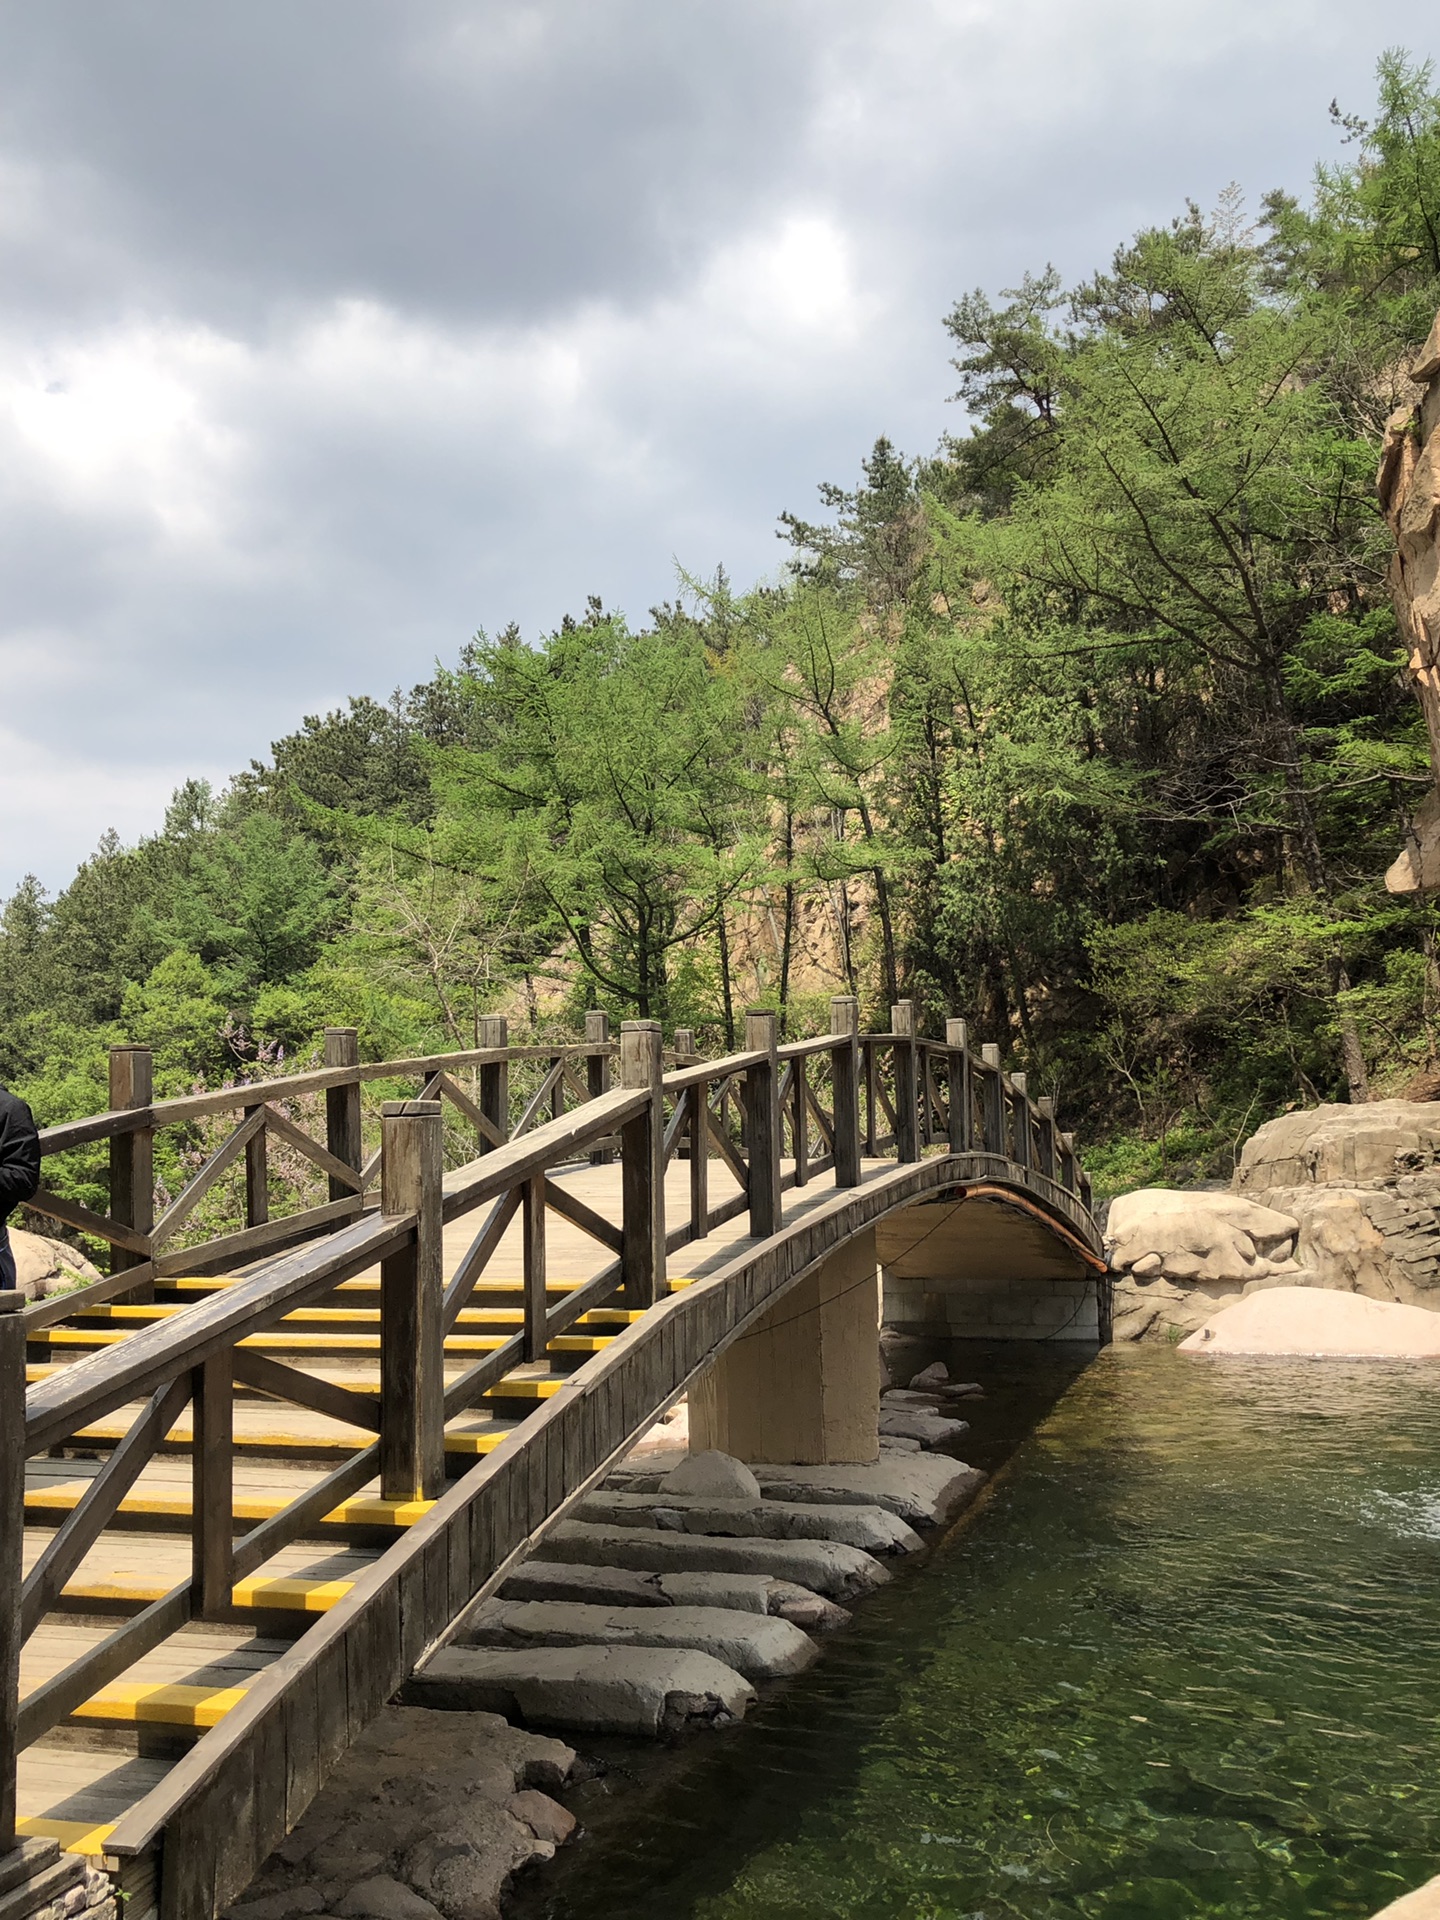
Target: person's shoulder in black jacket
[19, 1153]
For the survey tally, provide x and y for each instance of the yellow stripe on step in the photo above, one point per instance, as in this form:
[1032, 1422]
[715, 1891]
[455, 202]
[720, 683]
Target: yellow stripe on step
[476, 1443]
[292, 1596]
[523, 1390]
[75, 1836]
[157, 1705]
[365, 1512]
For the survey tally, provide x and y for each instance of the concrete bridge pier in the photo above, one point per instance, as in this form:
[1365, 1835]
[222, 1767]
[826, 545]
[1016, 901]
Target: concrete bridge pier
[803, 1384]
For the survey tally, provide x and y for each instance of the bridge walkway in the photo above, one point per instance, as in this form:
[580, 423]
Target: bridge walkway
[131, 1670]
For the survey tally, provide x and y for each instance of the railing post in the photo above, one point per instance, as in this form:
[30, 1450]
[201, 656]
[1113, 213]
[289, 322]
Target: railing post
[800, 1121]
[212, 1502]
[869, 1053]
[12, 1546]
[698, 1129]
[257, 1175]
[962, 1113]
[685, 1046]
[993, 1117]
[907, 1093]
[1020, 1143]
[533, 1257]
[762, 1122]
[642, 1167]
[132, 1159]
[342, 1107]
[412, 1346]
[845, 1086]
[1065, 1173]
[1045, 1135]
[494, 1101]
[597, 1071]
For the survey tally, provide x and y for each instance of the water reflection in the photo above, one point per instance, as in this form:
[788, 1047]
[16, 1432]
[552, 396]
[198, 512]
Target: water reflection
[1184, 1663]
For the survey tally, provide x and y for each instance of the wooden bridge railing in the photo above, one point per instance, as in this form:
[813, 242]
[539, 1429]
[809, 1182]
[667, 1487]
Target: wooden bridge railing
[822, 1104]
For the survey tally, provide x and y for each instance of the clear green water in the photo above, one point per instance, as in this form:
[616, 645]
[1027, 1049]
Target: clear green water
[1185, 1661]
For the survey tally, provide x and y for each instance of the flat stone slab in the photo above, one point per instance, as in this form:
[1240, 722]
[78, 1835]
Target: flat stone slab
[620, 1587]
[649, 1691]
[825, 1566]
[755, 1644]
[872, 1529]
[918, 1423]
[924, 1489]
[597, 1586]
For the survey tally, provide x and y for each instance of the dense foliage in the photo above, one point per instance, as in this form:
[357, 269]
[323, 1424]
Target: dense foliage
[1092, 725]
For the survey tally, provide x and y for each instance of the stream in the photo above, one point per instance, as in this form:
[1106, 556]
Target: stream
[1182, 1660]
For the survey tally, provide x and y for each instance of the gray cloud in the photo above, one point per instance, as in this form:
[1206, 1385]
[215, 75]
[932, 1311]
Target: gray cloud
[329, 332]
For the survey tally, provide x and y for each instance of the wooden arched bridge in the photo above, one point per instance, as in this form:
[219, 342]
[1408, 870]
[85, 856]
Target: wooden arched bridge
[250, 1477]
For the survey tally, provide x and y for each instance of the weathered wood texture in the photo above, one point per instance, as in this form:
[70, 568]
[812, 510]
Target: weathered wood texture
[218, 1811]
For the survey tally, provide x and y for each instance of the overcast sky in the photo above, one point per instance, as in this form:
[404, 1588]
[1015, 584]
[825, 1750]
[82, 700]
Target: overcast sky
[332, 330]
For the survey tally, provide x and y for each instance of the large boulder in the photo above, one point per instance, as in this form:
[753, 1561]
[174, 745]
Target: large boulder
[44, 1266]
[1340, 1146]
[1220, 1239]
[1319, 1323]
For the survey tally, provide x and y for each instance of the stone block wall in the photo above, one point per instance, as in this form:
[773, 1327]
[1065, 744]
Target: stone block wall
[985, 1309]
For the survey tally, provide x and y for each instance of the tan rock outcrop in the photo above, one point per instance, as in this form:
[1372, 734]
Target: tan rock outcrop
[1177, 1256]
[1339, 1145]
[1319, 1323]
[44, 1266]
[1408, 484]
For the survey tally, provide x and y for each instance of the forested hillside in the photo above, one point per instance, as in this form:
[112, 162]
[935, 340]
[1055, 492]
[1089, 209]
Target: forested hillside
[1092, 725]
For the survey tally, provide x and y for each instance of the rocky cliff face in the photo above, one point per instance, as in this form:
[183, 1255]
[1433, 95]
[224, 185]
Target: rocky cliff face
[1332, 1197]
[1409, 488]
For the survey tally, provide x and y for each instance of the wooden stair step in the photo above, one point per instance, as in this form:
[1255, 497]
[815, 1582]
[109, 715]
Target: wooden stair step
[74, 1836]
[157, 1704]
[354, 1318]
[57, 1501]
[88, 1340]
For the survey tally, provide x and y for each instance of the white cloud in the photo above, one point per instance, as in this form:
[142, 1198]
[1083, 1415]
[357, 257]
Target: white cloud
[470, 308]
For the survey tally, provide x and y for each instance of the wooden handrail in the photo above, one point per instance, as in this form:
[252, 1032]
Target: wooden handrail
[96, 1385]
[898, 1090]
[195, 1106]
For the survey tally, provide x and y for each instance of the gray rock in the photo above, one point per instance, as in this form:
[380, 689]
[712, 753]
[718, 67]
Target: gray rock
[804, 1609]
[632, 1690]
[899, 1443]
[463, 1868]
[546, 1818]
[873, 1529]
[757, 1645]
[825, 1566]
[347, 1864]
[598, 1586]
[737, 1592]
[935, 1375]
[385, 1899]
[281, 1906]
[923, 1489]
[915, 1423]
[712, 1475]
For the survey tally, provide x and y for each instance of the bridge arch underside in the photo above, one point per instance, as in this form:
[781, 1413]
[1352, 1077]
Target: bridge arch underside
[988, 1266]
[797, 1380]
